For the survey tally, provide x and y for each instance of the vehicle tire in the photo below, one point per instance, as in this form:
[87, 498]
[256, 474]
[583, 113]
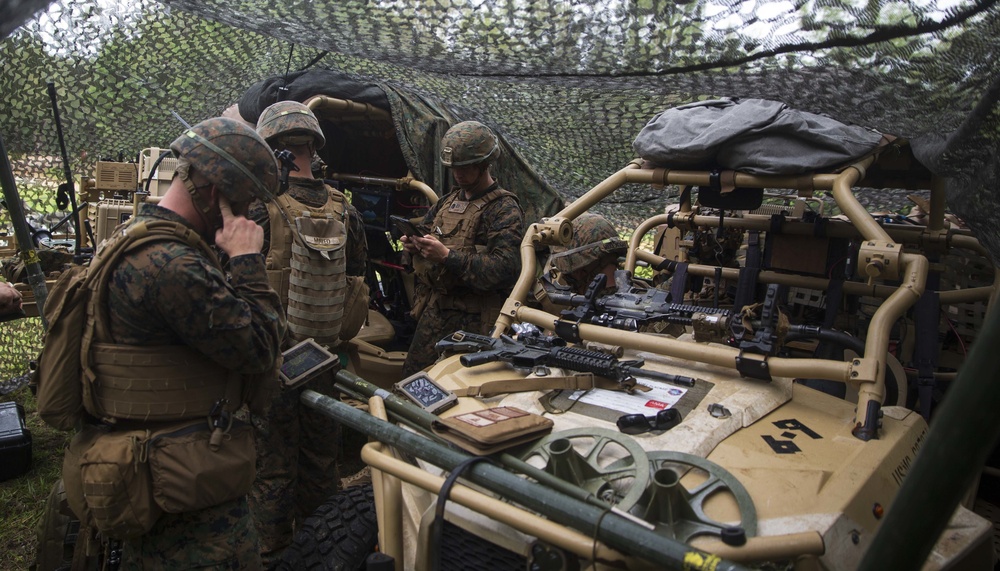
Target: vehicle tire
[338, 536]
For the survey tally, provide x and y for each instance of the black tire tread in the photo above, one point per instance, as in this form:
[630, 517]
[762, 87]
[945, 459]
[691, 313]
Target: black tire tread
[338, 536]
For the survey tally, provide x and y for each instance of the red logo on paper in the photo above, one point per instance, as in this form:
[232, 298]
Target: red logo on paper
[656, 404]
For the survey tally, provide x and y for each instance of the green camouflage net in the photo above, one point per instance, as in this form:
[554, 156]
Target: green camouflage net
[568, 84]
[21, 340]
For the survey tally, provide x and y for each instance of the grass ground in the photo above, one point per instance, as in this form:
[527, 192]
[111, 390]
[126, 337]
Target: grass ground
[22, 499]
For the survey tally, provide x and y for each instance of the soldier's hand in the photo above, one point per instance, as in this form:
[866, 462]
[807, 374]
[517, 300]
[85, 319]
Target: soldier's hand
[238, 235]
[408, 244]
[10, 298]
[430, 248]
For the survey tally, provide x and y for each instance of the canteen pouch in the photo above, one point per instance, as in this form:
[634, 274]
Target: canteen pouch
[491, 430]
[188, 475]
[115, 481]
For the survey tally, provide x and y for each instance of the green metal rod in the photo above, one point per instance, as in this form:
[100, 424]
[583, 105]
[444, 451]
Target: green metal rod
[615, 531]
[419, 418]
[36, 277]
[961, 436]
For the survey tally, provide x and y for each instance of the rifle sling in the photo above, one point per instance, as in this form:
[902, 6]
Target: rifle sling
[579, 381]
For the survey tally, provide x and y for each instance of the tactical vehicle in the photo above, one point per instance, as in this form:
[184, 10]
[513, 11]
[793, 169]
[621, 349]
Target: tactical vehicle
[803, 368]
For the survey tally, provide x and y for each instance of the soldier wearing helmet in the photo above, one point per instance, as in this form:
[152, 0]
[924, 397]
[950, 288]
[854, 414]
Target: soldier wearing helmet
[316, 255]
[466, 266]
[185, 342]
[595, 249]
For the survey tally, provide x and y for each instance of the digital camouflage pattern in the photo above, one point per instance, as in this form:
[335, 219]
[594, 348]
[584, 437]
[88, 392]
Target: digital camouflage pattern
[287, 118]
[469, 143]
[297, 454]
[214, 145]
[170, 293]
[297, 447]
[479, 275]
[220, 538]
[593, 237]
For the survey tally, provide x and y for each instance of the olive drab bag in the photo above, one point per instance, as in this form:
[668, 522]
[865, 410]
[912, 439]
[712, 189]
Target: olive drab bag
[66, 344]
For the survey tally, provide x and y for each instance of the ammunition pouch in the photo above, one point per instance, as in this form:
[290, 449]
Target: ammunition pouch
[122, 481]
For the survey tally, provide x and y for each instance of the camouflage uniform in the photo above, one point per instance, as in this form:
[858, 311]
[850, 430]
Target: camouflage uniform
[297, 447]
[480, 276]
[169, 293]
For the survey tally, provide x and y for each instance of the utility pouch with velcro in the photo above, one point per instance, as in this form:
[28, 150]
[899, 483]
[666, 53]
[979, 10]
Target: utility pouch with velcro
[355, 307]
[71, 473]
[116, 484]
[189, 475]
[487, 431]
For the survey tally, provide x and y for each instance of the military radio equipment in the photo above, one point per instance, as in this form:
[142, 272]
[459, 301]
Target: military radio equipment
[156, 168]
[550, 351]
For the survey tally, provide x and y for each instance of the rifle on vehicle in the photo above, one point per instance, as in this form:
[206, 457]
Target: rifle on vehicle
[550, 351]
[630, 308]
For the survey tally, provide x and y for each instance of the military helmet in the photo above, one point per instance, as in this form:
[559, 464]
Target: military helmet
[288, 119]
[593, 237]
[469, 143]
[230, 155]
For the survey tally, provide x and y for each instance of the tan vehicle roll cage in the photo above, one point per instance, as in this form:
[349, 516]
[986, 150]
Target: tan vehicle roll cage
[881, 257]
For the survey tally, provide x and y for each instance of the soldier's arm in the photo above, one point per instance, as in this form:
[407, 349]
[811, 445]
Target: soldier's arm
[239, 324]
[357, 243]
[498, 267]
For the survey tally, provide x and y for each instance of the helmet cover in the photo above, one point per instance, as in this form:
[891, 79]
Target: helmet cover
[289, 118]
[230, 155]
[469, 143]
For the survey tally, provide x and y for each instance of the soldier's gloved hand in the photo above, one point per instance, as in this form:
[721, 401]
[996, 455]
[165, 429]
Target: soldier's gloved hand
[238, 235]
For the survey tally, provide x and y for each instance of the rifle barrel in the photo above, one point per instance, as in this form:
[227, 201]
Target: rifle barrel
[658, 376]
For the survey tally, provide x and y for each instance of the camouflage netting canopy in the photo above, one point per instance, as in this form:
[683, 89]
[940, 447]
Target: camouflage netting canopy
[569, 84]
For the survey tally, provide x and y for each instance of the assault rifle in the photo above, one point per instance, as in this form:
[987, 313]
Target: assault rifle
[549, 351]
[629, 308]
